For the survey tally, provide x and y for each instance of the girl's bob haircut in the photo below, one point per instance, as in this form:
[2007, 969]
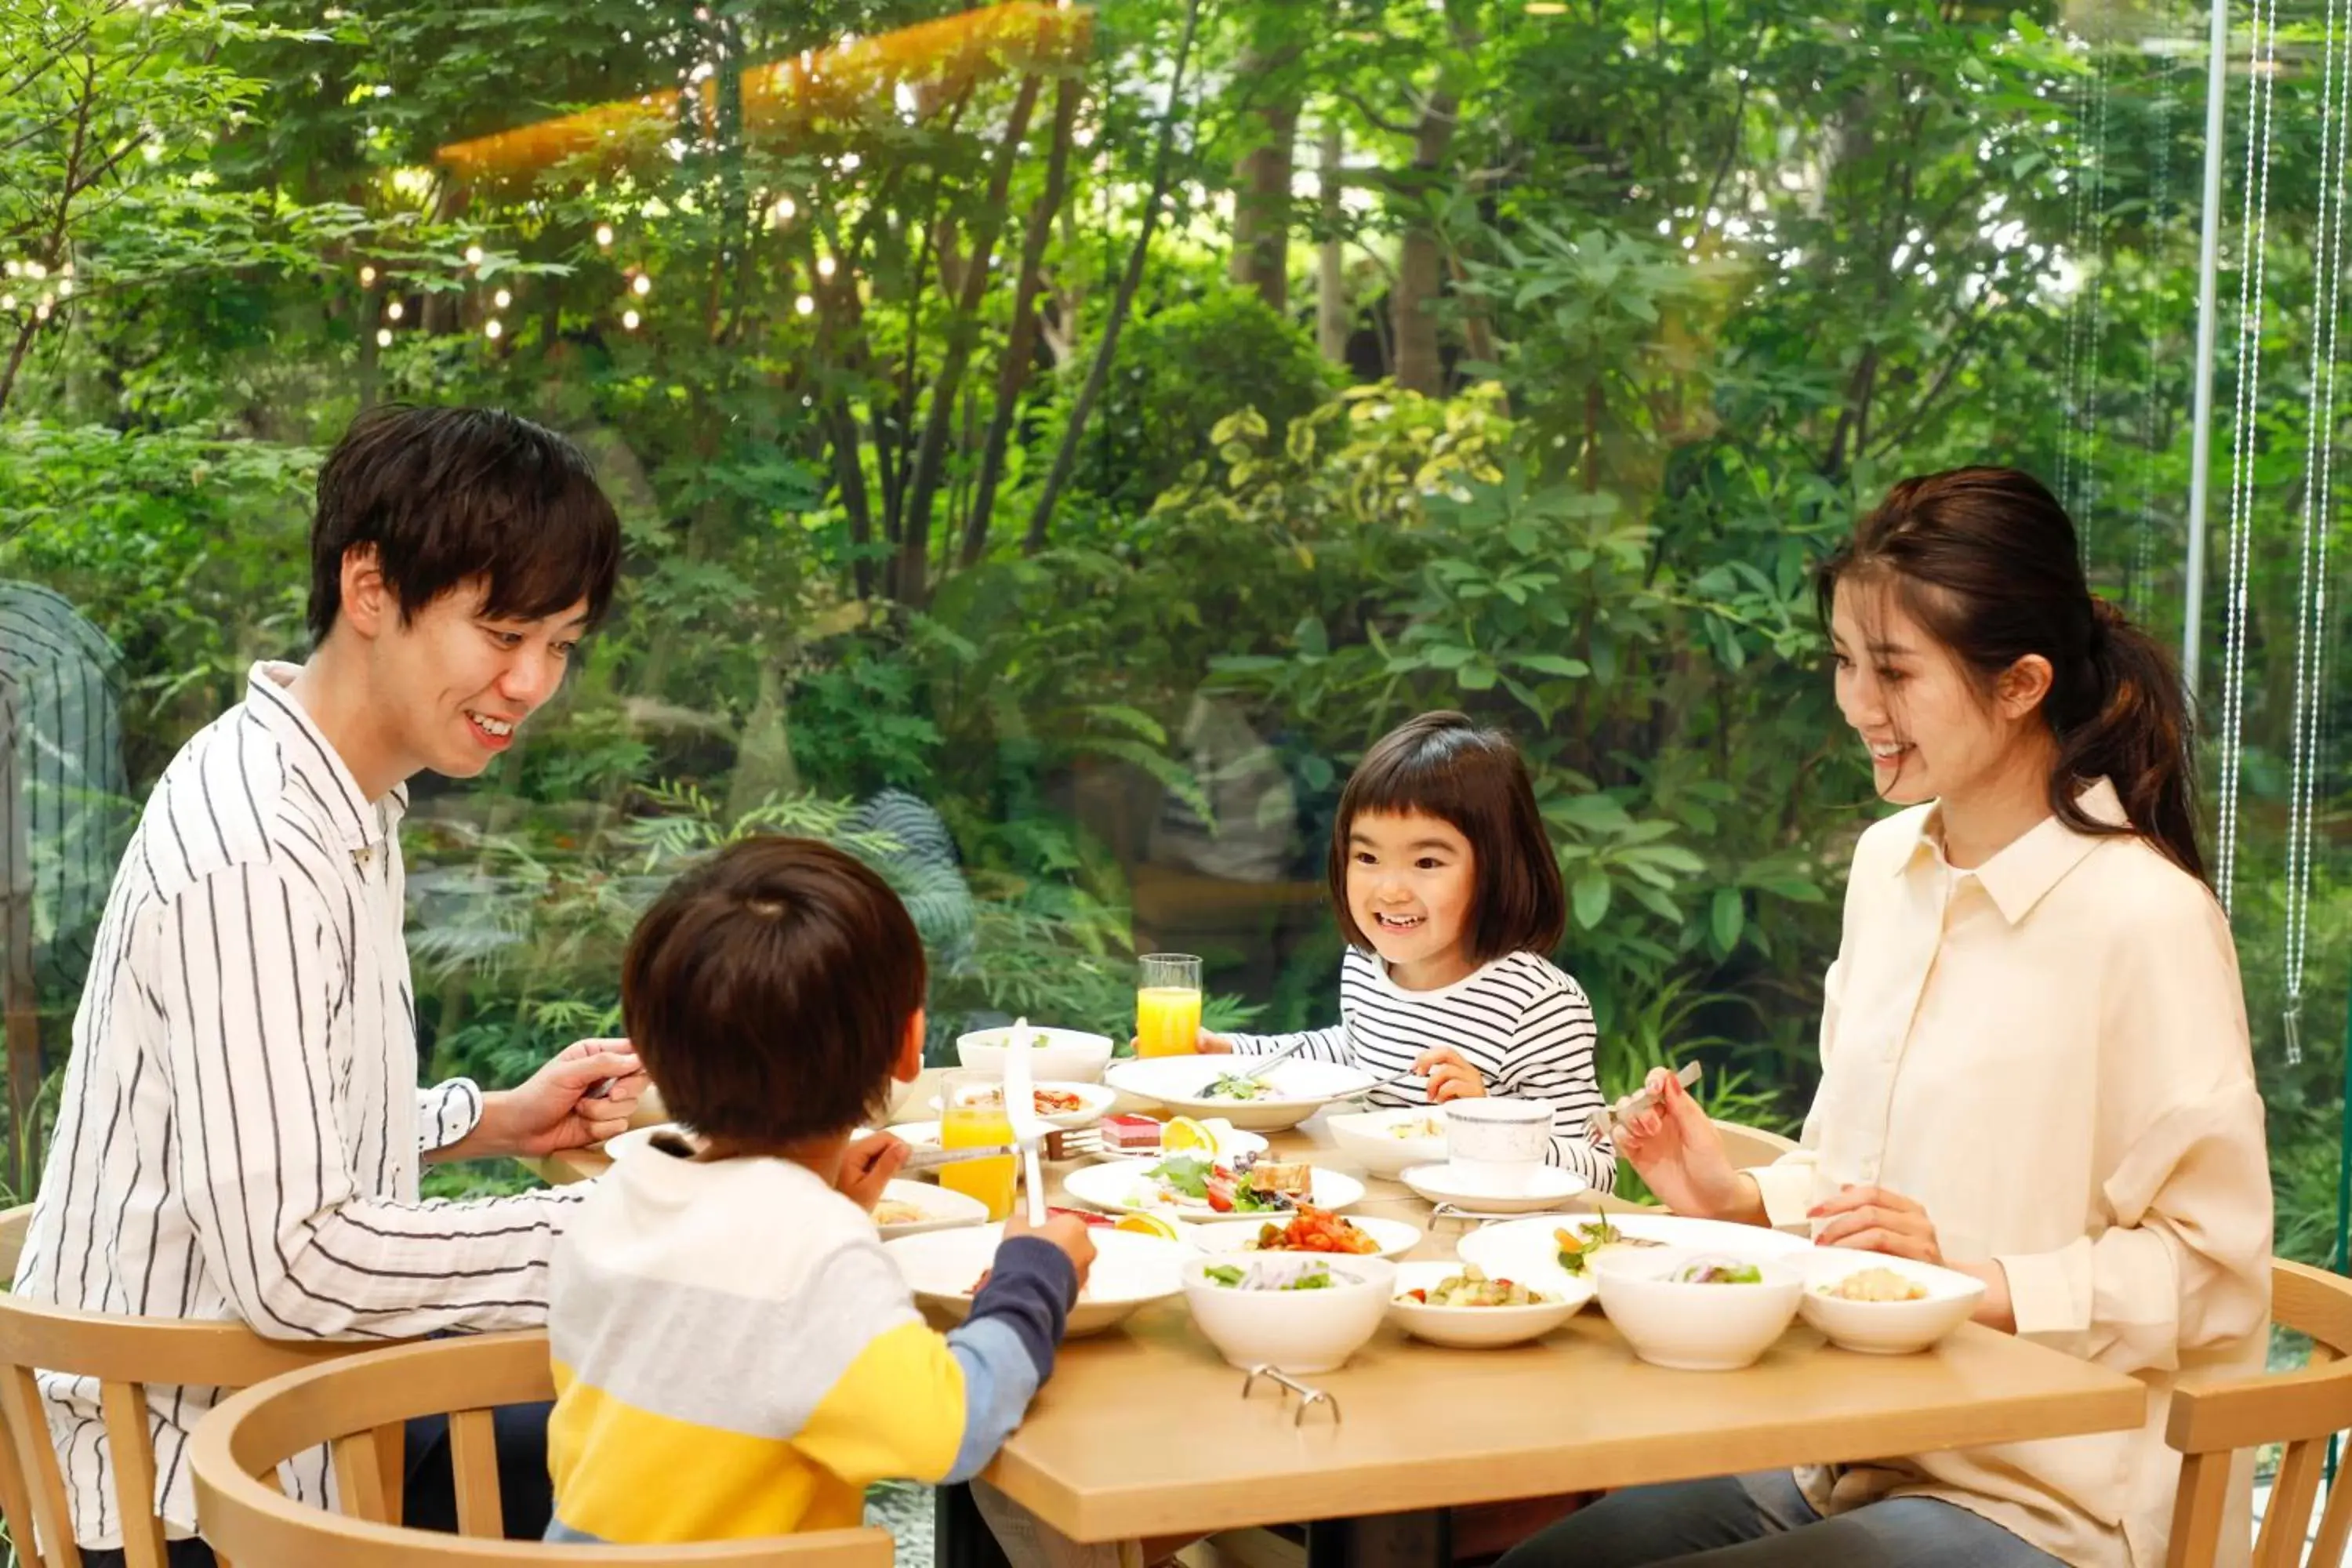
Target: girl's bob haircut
[1444, 765]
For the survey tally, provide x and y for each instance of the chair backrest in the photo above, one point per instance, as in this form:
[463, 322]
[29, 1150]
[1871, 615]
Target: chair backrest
[124, 1355]
[1751, 1146]
[2212, 1420]
[349, 1404]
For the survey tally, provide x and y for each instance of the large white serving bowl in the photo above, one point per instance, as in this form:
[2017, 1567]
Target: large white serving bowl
[1886, 1328]
[1524, 1249]
[1094, 1103]
[1236, 1236]
[1695, 1328]
[1483, 1328]
[1296, 1089]
[1129, 1272]
[1370, 1137]
[1071, 1055]
[1292, 1330]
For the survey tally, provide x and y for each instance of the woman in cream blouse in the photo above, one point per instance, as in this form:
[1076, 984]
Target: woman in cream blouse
[2036, 1065]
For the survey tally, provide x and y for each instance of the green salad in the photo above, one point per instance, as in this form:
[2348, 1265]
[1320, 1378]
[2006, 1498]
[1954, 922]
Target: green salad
[1316, 1276]
[1718, 1271]
[1234, 1086]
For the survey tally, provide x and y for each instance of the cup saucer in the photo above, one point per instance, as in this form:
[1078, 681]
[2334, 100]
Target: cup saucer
[1543, 1188]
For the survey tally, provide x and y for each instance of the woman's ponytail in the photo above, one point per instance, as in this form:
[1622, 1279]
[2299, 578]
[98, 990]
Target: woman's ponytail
[2128, 723]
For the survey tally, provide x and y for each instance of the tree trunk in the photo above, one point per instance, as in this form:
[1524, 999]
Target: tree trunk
[1020, 343]
[963, 336]
[1334, 317]
[1065, 456]
[764, 763]
[1261, 258]
[1413, 302]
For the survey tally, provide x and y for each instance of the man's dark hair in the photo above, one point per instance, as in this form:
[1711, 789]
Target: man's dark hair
[1444, 765]
[443, 495]
[768, 992]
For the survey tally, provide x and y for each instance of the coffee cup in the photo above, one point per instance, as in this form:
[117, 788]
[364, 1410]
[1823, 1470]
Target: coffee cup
[1498, 1145]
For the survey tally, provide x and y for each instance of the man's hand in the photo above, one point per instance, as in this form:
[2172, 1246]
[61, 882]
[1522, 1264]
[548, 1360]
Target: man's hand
[583, 1095]
[867, 1165]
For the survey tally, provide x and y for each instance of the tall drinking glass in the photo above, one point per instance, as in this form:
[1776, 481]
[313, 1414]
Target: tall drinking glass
[972, 1116]
[1167, 1006]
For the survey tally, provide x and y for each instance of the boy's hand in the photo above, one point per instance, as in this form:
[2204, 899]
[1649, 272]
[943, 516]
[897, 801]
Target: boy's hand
[867, 1165]
[1065, 1231]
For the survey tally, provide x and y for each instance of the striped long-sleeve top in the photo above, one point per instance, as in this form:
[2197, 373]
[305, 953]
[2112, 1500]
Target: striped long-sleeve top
[1523, 1024]
[735, 1354]
[240, 1126]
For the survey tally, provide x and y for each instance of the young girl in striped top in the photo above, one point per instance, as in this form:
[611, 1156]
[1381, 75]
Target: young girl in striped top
[1447, 891]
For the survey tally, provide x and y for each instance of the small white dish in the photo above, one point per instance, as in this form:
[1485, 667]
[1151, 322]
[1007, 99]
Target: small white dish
[1886, 1328]
[1548, 1187]
[1690, 1327]
[1394, 1237]
[940, 1208]
[1125, 1189]
[1294, 1090]
[1483, 1328]
[1129, 1272]
[1094, 1103]
[1372, 1138]
[1293, 1331]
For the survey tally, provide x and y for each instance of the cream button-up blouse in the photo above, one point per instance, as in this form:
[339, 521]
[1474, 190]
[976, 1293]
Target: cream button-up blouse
[2049, 1054]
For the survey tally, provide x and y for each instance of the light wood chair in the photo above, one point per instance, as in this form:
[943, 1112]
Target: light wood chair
[2212, 1419]
[124, 1354]
[351, 1404]
[1752, 1146]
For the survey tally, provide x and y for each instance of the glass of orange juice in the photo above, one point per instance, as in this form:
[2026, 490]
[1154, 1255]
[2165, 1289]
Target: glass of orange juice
[1167, 1006]
[972, 1116]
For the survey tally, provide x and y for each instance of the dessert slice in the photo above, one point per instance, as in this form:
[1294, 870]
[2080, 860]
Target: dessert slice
[1130, 1132]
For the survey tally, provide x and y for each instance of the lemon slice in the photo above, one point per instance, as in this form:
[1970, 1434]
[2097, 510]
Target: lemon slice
[1185, 1136]
[1149, 1224]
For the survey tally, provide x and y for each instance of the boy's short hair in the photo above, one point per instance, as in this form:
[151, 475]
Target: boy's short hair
[443, 495]
[768, 991]
[1444, 765]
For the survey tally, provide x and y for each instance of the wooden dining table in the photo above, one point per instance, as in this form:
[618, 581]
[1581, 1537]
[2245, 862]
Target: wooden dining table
[1145, 1432]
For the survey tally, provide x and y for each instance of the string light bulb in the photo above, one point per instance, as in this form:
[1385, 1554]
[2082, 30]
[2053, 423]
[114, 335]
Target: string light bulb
[604, 235]
[502, 298]
[805, 305]
[642, 284]
[824, 266]
[384, 337]
[473, 256]
[784, 209]
[492, 330]
[367, 277]
[629, 319]
[395, 309]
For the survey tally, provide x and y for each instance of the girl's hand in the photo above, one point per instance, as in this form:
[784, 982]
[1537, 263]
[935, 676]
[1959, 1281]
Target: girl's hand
[1872, 1219]
[1680, 1154]
[1450, 1076]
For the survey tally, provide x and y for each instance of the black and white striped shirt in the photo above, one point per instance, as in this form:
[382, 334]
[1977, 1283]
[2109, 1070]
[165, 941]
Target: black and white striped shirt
[1525, 1025]
[240, 1126]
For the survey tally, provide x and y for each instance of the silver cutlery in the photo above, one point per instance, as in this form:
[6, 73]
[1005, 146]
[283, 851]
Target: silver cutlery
[1607, 1119]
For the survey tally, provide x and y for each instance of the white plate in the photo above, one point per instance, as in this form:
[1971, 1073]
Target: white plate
[1366, 1135]
[1095, 1103]
[943, 1208]
[1483, 1327]
[1548, 1187]
[1122, 1189]
[1524, 1249]
[916, 1134]
[1129, 1271]
[1395, 1237]
[1296, 1089]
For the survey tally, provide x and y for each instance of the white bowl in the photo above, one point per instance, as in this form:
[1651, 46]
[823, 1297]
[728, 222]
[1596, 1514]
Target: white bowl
[1292, 1330]
[1366, 1136]
[1235, 1236]
[1886, 1328]
[1695, 1328]
[1094, 1103]
[1129, 1272]
[1483, 1328]
[1071, 1055]
[1296, 1090]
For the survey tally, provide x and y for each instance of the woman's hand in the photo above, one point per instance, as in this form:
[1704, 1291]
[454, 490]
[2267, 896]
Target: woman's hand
[1451, 1076]
[1872, 1219]
[1680, 1154]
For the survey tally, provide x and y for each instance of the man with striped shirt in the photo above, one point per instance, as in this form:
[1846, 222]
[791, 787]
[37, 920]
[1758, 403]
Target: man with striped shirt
[240, 1128]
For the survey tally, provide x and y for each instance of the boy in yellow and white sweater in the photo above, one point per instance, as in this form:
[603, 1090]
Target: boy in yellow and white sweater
[735, 1355]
